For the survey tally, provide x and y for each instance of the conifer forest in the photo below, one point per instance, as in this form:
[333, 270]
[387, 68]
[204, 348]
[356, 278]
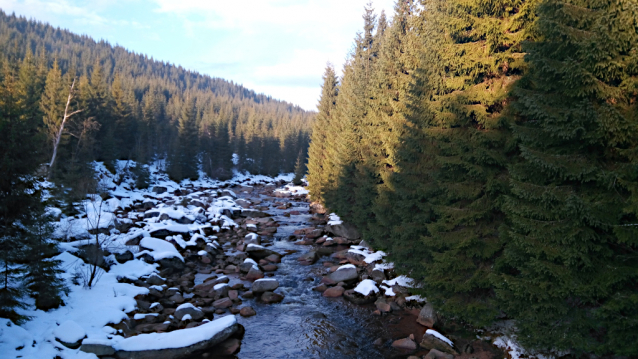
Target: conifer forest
[486, 149]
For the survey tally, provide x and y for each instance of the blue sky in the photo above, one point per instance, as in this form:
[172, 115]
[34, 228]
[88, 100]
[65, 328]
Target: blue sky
[278, 47]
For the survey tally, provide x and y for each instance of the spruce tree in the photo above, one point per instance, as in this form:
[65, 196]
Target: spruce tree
[472, 56]
[300, 169]
[20, 203]
[183, 163]
[385, 131]
[42, 278]
[569, 273]
[349, 188]
[321, 129]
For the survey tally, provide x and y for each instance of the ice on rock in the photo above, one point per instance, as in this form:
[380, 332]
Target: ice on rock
[366, 287]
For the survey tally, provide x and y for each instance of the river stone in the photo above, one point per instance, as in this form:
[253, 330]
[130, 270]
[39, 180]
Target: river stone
[320, 288]
[70, 334]
[220, 290]
[344, 230]
[97, 348]
[154, 279]
[247, 312]
[429, 341]
[406, 344]
[343, 275]
[252, 213]
[270, 267]
[270, 297]
[229, 347]
[184, 352]
[209, 285]
[427, 316]
[308, 258]
[223, 303]
[357, 298]
[124, 257]
[159, 189]
[258, 252]
[378, 275]
[435, 354]
[188, 308]
[333, 292]
[274, 258]
[246, 266]
[173, 263]
[265, 285]
[254, 274]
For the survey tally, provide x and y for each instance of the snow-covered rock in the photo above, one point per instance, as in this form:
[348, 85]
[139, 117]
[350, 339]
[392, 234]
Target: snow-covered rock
[70, 334]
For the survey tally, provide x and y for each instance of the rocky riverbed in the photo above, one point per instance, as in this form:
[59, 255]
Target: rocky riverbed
[300, 282]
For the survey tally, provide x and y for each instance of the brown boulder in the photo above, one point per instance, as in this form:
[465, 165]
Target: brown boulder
[247, 312]
[223, 303]
[333, 292]
[270, 297]
[405, 344]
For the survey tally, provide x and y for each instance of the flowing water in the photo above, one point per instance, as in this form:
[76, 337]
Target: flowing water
[306, 324]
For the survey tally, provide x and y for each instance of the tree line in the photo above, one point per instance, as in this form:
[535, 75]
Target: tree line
[134, 107]
[490, 147]
[67, 101]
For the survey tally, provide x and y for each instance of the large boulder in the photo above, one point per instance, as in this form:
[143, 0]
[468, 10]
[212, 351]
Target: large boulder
[177, 344]
[434, 340]
[98, 347]
[344, 230]
[257, 252]
[69, 334]
[347, 273]
[427, 316]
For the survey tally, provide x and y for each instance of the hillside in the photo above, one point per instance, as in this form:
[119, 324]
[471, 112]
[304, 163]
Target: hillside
[143, 109]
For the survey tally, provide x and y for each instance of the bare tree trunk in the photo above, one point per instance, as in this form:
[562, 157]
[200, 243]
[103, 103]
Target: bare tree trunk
[60, 131]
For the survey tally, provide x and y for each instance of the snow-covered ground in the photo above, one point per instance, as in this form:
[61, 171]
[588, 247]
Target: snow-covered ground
[87, 313]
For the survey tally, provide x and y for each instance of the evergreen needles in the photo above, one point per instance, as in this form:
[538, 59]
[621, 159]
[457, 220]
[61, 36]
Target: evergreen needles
[490, 148]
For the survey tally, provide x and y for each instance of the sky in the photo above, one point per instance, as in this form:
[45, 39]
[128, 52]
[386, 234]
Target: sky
[276, 47]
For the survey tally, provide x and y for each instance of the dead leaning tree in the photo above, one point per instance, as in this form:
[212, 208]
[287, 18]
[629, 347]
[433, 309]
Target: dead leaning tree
[60, 131]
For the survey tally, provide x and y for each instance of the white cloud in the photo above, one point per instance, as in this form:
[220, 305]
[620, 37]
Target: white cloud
[282, 45]
[279, 47]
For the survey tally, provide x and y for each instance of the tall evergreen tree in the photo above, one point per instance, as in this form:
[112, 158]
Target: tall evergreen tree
[184, 158]
[349, 188]
[321, 129]
[569, 278]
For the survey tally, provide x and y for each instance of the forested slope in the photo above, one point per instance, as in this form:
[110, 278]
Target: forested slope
[489, 147]
[134, 107]
[67, 101]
